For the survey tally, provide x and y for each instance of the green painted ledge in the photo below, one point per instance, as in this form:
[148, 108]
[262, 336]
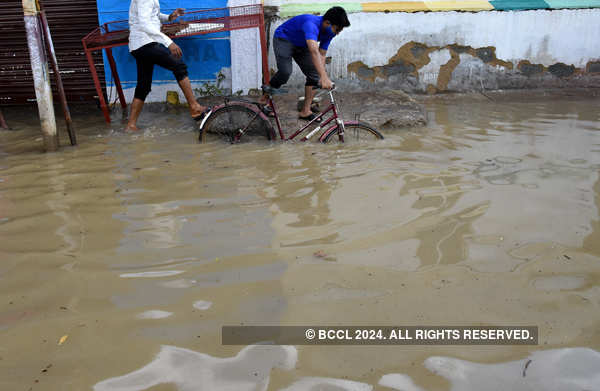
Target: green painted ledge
[293, 9]
[287, 10]
[508, 5]
[574, 3]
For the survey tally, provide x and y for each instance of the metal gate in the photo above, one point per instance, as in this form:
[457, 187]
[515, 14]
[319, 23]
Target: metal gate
[69, 22]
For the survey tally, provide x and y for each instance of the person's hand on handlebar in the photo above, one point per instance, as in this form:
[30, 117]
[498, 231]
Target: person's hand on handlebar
[326, 83]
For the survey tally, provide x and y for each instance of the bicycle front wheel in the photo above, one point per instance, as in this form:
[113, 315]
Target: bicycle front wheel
[354, 132]
[235, 122]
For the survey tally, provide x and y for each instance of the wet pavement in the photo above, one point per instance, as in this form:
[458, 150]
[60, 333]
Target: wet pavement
[123, 257]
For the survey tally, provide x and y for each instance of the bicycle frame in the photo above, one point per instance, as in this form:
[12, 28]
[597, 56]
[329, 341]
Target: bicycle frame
[338, 123]
[331, 108]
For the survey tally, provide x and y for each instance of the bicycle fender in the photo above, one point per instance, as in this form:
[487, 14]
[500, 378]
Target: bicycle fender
[334, 129]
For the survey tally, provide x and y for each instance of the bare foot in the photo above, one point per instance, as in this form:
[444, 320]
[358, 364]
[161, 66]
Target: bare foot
[131, 128]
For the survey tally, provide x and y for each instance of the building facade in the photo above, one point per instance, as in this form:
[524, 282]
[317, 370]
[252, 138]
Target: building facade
[417, 46]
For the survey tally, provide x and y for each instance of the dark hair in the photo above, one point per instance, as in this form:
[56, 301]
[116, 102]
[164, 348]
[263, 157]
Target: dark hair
[337, 17]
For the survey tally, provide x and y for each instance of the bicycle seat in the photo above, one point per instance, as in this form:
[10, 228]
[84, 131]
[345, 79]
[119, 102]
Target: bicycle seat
[267, 89]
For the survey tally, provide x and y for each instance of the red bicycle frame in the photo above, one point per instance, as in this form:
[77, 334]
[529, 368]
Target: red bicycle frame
[338, 124]
[335, 117]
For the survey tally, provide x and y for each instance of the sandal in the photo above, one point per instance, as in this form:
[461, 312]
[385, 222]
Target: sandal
[309, 117]
[267, 110]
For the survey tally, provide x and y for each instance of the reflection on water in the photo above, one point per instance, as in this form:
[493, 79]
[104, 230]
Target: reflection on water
[327, 384]
[188, 370]
[130, 244]
[250, 369]
[550, 370]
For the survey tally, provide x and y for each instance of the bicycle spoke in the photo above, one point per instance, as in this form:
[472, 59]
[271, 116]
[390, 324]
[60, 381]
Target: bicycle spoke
[234, 123]
[355, 132]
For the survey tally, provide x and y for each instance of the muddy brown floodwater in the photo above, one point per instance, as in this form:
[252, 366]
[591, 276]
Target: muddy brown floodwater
[121, 259]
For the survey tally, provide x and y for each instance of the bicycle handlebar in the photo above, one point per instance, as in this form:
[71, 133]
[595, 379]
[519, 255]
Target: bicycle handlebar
[323, 91]
[320, 88]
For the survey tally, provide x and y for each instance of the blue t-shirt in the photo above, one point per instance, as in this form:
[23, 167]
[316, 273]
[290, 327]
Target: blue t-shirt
[301, 28]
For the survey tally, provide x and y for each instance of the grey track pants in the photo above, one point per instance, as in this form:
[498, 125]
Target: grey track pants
[284, 52]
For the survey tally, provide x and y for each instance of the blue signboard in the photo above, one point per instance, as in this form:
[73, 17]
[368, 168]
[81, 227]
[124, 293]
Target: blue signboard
[205, 55]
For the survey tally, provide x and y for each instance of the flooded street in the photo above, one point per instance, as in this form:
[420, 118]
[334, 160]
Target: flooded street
[122, 258]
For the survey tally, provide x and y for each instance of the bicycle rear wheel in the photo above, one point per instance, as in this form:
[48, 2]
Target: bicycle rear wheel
[354, 132]
[236, 122]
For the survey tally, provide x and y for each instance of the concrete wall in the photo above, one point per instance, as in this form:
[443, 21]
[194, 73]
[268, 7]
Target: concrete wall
[246, 62]
[460, 51]
[295, 7]
[401, 47]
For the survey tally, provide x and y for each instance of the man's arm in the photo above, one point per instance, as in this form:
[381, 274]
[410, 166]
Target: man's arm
[172, 16]
[323, 53]
[318, 57]
[164, 18]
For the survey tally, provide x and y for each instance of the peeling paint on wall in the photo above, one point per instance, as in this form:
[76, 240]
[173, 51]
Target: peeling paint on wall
[529, 69]
[413, 56]
[457, 51]
[561, 70]
[394, 67]
[593, 67]
[445, 74]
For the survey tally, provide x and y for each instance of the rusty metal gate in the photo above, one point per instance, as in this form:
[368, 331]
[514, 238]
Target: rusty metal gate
[69, 22]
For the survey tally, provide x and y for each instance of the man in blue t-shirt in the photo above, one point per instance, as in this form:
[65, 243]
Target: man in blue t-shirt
[305, 38]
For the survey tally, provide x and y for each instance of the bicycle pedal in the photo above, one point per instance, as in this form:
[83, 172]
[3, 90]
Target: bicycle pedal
[316, 99]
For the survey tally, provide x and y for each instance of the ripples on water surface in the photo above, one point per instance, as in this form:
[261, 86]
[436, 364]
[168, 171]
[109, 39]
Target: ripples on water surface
[140, 247]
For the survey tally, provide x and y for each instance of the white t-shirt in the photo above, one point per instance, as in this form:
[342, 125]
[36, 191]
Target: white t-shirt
[145, 21]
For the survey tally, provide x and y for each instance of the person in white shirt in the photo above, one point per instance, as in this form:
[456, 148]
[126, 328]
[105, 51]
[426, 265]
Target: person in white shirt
[149, 46]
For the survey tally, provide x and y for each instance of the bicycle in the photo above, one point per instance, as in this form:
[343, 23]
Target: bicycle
[241, 118]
